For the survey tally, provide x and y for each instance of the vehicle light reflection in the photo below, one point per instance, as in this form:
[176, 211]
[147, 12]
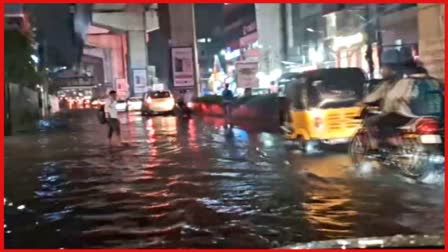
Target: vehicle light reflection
[192, 137]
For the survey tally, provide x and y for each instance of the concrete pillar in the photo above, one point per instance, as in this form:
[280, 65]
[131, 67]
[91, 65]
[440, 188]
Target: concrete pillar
[431, 27]
[137, 62]
[135, 21]
[289, 26]
[108, 67]
[116, 47]
[105, 55]
[183, 33]
[270, 36]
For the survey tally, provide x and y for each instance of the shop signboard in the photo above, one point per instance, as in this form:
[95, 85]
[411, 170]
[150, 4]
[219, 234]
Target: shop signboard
[182, 65]
[248, 39]
[252, 53]
[246, 74]
[230, 55]
[140, 81]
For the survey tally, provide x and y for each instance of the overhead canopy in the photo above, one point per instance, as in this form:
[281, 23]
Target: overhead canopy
[61, 30]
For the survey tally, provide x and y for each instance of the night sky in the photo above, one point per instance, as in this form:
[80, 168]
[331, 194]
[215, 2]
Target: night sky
[209, 20]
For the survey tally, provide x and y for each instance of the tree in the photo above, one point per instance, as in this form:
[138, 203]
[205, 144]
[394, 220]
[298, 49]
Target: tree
[19, 67]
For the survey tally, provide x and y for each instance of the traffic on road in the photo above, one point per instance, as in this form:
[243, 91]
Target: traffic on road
[241, 126]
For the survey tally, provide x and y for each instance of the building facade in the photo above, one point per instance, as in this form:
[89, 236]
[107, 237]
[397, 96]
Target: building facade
[338, 35]
[431, 25]
[16, 18]
[241, 34]
[272, 46]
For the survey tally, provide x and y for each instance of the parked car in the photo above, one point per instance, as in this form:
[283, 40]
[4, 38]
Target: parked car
[135, 104]
[158, 102]
[122, 106]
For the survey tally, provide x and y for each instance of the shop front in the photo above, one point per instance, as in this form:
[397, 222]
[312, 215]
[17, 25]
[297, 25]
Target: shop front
[351, 51]
[399, 32]
[340, 37]
[394, 38]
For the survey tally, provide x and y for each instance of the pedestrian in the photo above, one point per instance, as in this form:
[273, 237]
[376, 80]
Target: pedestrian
[227, 96]
[180, 96]
[112, 116]
[188, 96]
[273, 88]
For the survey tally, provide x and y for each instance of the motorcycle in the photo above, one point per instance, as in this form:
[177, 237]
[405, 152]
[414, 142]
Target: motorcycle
[184, 109]
[419, 152]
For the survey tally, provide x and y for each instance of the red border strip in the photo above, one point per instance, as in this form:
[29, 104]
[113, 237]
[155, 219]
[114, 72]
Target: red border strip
[231, 1]
[446, 106]
[165, 1]
[2, 127]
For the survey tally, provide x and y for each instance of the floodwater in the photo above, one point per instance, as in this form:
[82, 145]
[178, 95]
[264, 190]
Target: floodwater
[197, 184]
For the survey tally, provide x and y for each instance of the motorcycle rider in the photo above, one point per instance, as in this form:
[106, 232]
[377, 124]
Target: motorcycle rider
[227, 96]
[182, 101]
[392, 96]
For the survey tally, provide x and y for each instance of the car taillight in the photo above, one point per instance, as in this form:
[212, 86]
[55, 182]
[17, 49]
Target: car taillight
[148, 100]
[427, 126]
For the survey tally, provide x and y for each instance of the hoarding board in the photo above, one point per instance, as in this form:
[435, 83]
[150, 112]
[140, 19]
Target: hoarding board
[182, 65]
[247, 74]
[140, 81]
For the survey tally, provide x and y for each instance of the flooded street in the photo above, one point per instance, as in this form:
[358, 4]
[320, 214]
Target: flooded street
[195, 184]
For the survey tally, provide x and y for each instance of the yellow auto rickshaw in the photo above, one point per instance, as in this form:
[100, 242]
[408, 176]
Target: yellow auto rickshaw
[322, 106]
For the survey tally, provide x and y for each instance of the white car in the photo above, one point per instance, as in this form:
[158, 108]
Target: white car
[121, 106]
[135, 104]
[158, 102]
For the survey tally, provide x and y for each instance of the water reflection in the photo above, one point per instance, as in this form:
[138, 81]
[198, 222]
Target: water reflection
[187, 184]
[329, 209]
[192, 136]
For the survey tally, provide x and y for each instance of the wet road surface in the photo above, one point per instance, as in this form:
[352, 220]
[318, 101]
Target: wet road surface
[195, 184]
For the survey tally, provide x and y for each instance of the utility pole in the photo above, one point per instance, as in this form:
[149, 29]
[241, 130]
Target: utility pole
[45, 86]
[373, 32]
[369, 30]
[196, 68]
[379, 35]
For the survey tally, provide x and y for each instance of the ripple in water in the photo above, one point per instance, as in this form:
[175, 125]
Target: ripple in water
[183, 184]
